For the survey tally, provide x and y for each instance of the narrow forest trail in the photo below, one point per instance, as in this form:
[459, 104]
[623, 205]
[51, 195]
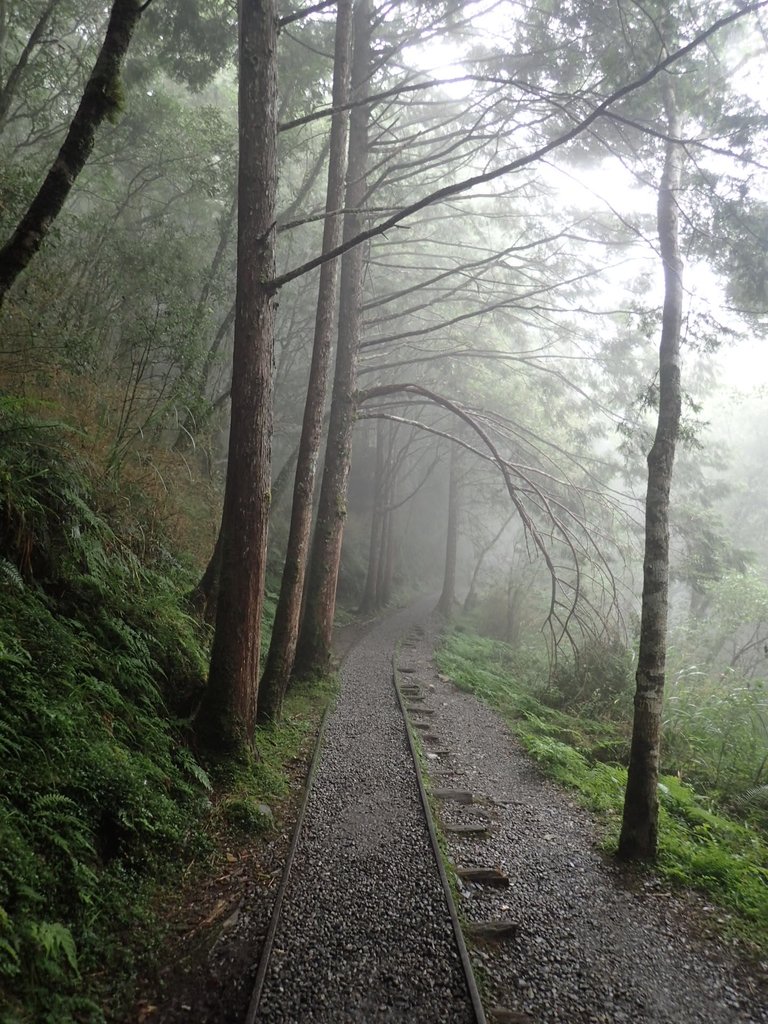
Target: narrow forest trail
[365, 933]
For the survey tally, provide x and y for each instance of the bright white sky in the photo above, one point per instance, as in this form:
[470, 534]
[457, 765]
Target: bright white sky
[742, 365]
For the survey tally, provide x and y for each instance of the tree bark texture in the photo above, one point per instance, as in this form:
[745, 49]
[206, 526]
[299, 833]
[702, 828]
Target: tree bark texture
[314, 648]
[285, 631]
[227, 716]
[639, 831]
[101, 98]
[447, 601]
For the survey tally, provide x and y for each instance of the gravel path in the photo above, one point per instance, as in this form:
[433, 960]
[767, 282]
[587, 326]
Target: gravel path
[365, 934]
[592, 946]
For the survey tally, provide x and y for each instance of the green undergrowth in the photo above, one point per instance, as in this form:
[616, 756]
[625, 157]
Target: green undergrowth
[103, 801]
[247, 785]
[99, 664]
[699, 848]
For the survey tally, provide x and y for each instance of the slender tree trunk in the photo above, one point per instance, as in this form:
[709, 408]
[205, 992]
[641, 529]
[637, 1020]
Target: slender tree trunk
[285, 632]
[8, 91]
[101, 99]
[514, 624]
[385, 553]
[3, 35]
[314, 648]
[227, 715]
[639, 831]
[471, 599]
[204, 598]
[369, 602]
[447, 602]
[384, 574]
[191, 426]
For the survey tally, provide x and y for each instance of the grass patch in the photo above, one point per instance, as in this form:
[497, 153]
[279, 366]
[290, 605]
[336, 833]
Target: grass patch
[725, 859]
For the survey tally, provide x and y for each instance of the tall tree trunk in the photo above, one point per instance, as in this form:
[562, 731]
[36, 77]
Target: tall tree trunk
[227, 715]
[314, 648]
[101, 98]
[447, 602]
[282, 649]
[639, 830]
[369, 602]
[384, 575]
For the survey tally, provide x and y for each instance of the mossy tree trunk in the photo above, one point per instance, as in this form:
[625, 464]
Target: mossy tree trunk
[101, 98]
[227, 716]
[639, 831]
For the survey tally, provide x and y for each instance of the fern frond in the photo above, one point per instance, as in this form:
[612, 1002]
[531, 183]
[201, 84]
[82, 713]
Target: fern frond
[10, 575]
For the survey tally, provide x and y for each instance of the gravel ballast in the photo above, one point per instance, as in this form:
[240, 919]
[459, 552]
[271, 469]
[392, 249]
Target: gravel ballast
[365, 933]
[591, 942]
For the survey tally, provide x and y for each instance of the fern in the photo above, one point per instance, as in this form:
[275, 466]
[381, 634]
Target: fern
[56, 942]
[97, 795]
[10, 575]
[755, 796]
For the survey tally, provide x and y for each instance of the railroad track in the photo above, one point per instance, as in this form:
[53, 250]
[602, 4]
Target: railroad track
[364, 926]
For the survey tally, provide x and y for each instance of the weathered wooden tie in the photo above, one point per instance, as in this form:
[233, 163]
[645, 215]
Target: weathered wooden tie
[467, 829]
[456, 796]
[492, 931]
[484, 876]
[501, 1015]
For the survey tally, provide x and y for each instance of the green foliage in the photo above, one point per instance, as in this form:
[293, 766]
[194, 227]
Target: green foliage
[698, 848]
[263, 778]
[716, 736]
[98, 795]
[601, 678]
[244, 813]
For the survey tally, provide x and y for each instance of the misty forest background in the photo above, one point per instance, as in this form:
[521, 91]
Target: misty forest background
[500, 367]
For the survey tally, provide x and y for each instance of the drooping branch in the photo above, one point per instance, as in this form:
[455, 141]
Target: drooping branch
[568, 526]
[389, 389]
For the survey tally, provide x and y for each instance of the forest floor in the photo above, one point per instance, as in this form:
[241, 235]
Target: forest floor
[213, 927]
[593, 943]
